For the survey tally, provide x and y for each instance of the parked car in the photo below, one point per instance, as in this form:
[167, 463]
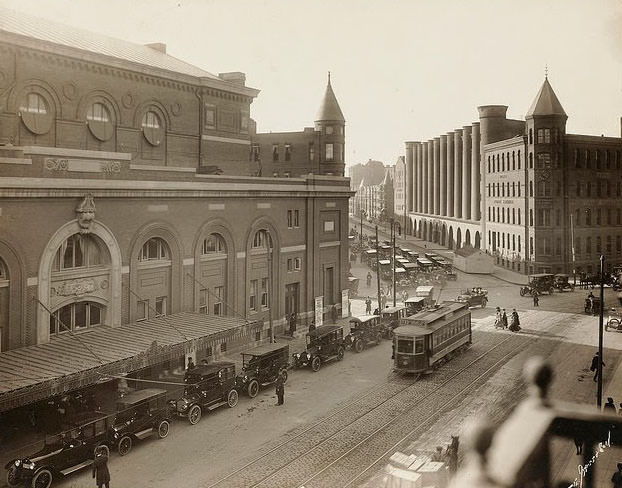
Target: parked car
[539, 283]
[614, 320]
[474, 297]
[364, 330]
[261, 366]
[560, 282]
[414, 305]
[323, 344]
[140, 414]
[62, 454]
[209, 386]
[390, 319]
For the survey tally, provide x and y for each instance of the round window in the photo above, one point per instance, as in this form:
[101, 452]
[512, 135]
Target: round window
[152, 128]
[36, 114]
[99, 121]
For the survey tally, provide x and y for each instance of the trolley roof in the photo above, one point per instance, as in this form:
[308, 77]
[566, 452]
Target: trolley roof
[411, 330]
[431, 319]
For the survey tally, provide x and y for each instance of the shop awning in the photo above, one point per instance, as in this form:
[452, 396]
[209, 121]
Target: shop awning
[66, 363]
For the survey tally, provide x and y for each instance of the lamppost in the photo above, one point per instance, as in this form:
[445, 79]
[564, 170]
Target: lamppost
[363, 214]
[394, 224]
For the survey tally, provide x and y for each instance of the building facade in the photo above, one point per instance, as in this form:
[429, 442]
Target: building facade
[128, 198]
[537, 198]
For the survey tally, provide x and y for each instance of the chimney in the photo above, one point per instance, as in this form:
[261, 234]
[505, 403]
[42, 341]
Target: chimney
[158, 46]
[235, 77]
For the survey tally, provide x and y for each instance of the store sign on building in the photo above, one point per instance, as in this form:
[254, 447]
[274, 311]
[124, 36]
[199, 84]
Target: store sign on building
[345, 303]
[319, 311]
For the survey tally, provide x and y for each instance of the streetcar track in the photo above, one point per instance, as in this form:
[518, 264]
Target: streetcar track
[374, 408]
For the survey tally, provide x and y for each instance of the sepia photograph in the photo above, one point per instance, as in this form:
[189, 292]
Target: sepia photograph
[310, 244]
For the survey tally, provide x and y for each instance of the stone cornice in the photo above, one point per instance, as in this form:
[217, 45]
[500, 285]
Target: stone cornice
[103, 64]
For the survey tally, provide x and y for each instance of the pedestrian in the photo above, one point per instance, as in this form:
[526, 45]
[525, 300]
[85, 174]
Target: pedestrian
[594, 365]
[368, 306]
[100, 466]
[610, 407]
[312, 326]
[368, 279]
[515, 323]
[536, 300]
[498, 323]
[404, 296]
[292, 324]
[191, 364]
[280, 387]
[616, 479]
[504, 319]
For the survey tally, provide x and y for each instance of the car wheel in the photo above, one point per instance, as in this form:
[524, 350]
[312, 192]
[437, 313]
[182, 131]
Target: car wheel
[340, 353]
[522, 292]
[194, 414]
[358, 345]
[42, 479]
[607, 326]
[378, 338]
[125, 445]
[232, 398]
[316, 364]
[11, 477]
[484, 302]
[253, 388]
[284, 375]
[163, 428]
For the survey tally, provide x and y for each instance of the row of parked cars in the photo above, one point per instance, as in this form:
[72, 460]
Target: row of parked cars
[149, 412]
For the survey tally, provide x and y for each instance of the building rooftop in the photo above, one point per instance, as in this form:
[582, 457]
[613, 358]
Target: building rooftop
[25, 25]
[330, 110]
[546, 102]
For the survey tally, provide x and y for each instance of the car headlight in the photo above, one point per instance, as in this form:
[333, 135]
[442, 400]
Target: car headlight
[18, 463]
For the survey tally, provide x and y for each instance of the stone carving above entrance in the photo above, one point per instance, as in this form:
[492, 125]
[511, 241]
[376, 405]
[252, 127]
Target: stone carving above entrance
[86, 214]
[76, 288]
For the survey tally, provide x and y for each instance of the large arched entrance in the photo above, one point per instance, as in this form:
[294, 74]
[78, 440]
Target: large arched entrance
[458, 238]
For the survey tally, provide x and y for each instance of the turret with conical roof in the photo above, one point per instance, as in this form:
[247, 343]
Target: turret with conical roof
[546, 102]
[330, 122]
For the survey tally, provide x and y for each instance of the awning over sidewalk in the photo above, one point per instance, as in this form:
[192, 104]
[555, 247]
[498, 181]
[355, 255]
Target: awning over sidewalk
[37, 372]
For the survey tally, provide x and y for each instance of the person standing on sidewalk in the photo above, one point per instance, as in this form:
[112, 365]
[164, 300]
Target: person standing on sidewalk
[594, 366]
[368, 306]
[536, 300]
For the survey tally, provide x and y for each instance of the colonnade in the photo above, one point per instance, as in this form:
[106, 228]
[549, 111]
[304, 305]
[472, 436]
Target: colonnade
[443, 175]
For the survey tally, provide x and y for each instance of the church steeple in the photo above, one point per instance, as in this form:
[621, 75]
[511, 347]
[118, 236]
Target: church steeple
[329, 109]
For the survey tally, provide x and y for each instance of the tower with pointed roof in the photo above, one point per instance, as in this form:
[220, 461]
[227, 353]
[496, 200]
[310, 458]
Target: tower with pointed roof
[331, 123]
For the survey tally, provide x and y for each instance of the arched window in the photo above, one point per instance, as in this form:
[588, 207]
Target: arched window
[36, 114]
[530, 136]
[155, 249]
[530, 160]
[519, 218]
[214, 244]
[99, 121]
[76, 316]
[152, 128]
[531, 188]
[80, 251]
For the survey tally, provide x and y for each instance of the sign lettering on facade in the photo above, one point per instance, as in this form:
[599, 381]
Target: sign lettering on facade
[345, 303]
[319, 311]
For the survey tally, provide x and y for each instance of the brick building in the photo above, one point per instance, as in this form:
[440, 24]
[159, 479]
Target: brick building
[525, 191]
[129, 211]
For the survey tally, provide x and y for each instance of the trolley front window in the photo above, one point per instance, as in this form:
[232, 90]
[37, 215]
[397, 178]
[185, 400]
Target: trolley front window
[405, 346]
[419, 346]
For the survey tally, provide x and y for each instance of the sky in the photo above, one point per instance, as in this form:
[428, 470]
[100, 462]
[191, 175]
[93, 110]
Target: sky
[401, 70]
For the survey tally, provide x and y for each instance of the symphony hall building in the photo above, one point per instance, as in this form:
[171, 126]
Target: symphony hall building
[523, 190]
[134, 228]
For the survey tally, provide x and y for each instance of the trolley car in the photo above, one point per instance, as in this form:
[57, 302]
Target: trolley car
[427, 339]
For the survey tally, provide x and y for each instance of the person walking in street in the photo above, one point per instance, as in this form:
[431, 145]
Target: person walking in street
[536, 300]
[504, 319]
[594, 365]
[515, 322]
[616, 479]
[100, 466]
[368, 306]
[280, 388]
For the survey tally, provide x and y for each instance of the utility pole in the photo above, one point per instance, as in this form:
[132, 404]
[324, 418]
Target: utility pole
[393, 242]
[599, 399]
[378, 270]
[574, 274]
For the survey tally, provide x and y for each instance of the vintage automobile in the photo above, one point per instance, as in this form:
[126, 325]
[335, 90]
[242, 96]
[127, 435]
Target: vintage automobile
[560, 282]
[592, 305]
[614, 320]
[353, 286]
[540, 283]
[209, 386]
[364, 330]
[140, 414]
[390, 319]
[261, 366]
[62, 454]
[414, 305]
[323, 344]
[473, 297]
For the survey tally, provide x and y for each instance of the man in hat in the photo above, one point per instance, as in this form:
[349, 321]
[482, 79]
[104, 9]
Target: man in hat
[594, 365]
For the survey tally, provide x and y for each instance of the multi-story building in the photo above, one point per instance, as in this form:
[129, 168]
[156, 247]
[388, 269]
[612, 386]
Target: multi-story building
[318, 150]
[375, 195]
[399, 189]
[131, 230]
[526, 191]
